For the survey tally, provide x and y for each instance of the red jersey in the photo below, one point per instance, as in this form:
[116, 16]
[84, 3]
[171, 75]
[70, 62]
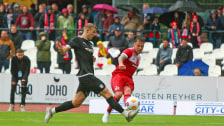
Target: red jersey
[131, 63]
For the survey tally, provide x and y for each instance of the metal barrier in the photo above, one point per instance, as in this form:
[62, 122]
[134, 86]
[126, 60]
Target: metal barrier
[163, 32]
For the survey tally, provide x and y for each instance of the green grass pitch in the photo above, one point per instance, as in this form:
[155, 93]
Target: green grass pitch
[85, 119]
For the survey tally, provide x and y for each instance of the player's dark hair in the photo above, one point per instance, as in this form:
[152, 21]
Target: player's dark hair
[19, 51]
[138, 39]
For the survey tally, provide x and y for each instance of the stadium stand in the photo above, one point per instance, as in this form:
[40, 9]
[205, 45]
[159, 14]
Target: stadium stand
[150, 69]
[198, 54]
[206, 47]
[214, 71]
[209, 59]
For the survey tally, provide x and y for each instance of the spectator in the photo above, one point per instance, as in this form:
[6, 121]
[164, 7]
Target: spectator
[195, 32]
[66, 21]
[20, 70]
[211, 25]
[118, 41]
[16, 10]
[103, 52]
[178, 20]
[130, 39]
[9, 18]
[33, 10]
[90, 12]
[164, 55]
[197, 72]
[174, 35]
[2, 15]
[132, 22]
[113, 27]
[221, 26]
[99, 19]
[186, 25]
[107, 23]
[184, 54]
[7, 50]
[55, 10]
[64, 61]
[71, 12]
[155, 26]
[219, 14]
[15, 37]
[82, 21]
[88, 16]
[43, 53]
[148, 19]
[48, 21]
[37, 18]
[25, 20]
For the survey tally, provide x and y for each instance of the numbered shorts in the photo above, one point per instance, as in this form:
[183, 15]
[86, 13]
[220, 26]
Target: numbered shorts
[118, 82]
[90, 83]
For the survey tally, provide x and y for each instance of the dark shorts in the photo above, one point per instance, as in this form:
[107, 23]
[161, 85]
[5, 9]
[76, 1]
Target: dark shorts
[90, 83]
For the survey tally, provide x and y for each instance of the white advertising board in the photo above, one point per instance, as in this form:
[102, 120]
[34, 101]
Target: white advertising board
[58, 88]
[147, 107]
[200, 108]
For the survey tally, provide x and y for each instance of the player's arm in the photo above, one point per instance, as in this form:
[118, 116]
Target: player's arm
[61, 49]
[121, 59]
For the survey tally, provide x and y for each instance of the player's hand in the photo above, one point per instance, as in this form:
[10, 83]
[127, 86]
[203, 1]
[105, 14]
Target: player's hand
[23, 80]
[58, 45]
[94, 58]
[122, 67]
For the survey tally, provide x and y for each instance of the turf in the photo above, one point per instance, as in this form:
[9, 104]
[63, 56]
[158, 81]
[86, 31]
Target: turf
[84, 119]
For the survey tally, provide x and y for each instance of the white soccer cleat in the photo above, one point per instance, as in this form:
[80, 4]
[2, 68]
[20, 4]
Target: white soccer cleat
[11, 108]
[105, 117]
[22, 108]
[48, 114]
[132, 114]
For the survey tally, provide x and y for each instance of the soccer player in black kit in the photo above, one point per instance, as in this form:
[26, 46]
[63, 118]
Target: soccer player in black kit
[87, 81]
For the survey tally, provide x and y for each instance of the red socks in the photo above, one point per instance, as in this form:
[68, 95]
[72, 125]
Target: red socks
[110, 108]
[126, 96]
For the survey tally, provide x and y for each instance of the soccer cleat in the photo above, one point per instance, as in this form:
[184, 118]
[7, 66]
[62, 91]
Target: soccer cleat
[22, 108]
[48, 114]
[132, 114]
[11, 108]
[105, 117]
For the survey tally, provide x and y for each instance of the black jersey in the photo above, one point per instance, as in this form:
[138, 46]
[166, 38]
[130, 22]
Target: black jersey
[84, 53]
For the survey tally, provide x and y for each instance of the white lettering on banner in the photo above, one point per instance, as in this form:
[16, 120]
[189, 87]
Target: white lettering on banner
[55, 88]
[200, 108]
[170, 96]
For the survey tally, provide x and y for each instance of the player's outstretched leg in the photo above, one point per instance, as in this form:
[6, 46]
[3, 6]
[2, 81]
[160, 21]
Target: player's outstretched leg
[48, 115]
[129, 115]
[108, 111]
[76, 102]
[117, 96]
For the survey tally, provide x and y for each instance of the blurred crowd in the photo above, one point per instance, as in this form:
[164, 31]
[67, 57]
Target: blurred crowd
[119, 31]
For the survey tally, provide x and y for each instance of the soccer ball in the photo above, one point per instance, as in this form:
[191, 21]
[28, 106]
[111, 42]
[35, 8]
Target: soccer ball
[132, 103]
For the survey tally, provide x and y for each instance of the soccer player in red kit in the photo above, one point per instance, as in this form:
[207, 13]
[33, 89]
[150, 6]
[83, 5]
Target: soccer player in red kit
[122, 82]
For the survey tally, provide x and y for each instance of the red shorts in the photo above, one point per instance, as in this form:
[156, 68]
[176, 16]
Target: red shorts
[118, 82]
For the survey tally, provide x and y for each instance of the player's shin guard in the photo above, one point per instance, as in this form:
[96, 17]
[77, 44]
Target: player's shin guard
[109, 109]
[65, 106]
[126, 96]
[114, 104]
